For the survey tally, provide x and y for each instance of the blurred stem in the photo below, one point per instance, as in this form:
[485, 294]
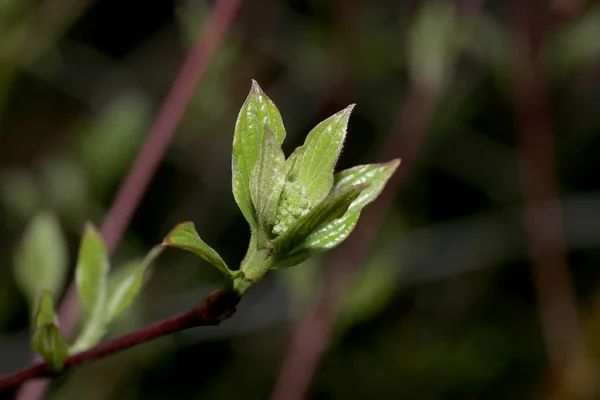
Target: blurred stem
[150, 155]
[217, 307]
[558, 312]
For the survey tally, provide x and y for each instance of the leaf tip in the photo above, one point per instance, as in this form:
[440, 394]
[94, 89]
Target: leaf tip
[394, 164]
[167, 241]
[256, 87]
[89, 227]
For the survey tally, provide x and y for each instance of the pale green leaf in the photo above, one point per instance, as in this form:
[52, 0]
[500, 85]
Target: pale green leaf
[257, 111]
[266, 182]
[92, 269]
[41, 258]
[332, 207]
[376, 175]
[185, 237]
[49, 342]
[47, 339]
[433, 44]
[316, 158]
[45, 310]
[370, 292]
[93, 330]
[125, 283]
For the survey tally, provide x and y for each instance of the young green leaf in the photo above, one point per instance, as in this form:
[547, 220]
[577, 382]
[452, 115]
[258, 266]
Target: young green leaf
[47, 339]
[45, 311]
[370, 292]
[376, 175]
[432, 44]
[49, 342]
[257, 111]
[266, 182]
[41, 258]
[92, 269]
[125, 283]
[185, 237]
[93, 331]
[316, 158]
[332, 207]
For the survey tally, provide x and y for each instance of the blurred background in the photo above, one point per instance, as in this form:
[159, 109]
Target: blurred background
[478, 278]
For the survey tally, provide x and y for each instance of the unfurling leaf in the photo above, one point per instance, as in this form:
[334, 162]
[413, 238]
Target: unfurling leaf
[92, 269]
[266, 183]
[185, 237]
[376, 175]
[316, 158]
[257, 111]
[332, 207]
[45, 311]
[41, 259]
[91, 276]
[125, 283]
[47, 339]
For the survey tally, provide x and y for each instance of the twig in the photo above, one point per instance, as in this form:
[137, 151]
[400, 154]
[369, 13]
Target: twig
[150, 155]
[561, 327]
[215, 308]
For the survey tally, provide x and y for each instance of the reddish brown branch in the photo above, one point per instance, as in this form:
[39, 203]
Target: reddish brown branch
[215, 308]
[150, 155]
[559, 317]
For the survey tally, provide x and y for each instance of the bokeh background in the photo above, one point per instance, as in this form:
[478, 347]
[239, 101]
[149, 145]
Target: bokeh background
[477, 279]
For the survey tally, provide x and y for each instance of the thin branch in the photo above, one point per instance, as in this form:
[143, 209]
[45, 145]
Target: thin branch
[217, 307]
[559, 317]
[151, 154]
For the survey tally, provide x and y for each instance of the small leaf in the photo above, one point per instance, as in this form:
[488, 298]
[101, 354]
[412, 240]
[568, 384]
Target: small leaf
[432, 47]
[47, 339]
[45, 311]
[316, 158]
[185, 237]
[257, 111]
[92, 269]
[376, 175]
[93, 331]
[41, 258]
[49, 342]
[266, 182]
[332, 207]
[370, 292]
[125, 283]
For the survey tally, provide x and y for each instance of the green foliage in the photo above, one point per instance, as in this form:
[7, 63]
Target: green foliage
[370, 292]
[266, 183]
[295, 207]
[125, 283]
[104, 297]
[290, 245]
[377, 175]
[257, 112]
[316, 158]
[112, 139]
[91, 276]
[47, 339]
[41, 258]
[92, 270]
[185, 237]
[433, 44]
